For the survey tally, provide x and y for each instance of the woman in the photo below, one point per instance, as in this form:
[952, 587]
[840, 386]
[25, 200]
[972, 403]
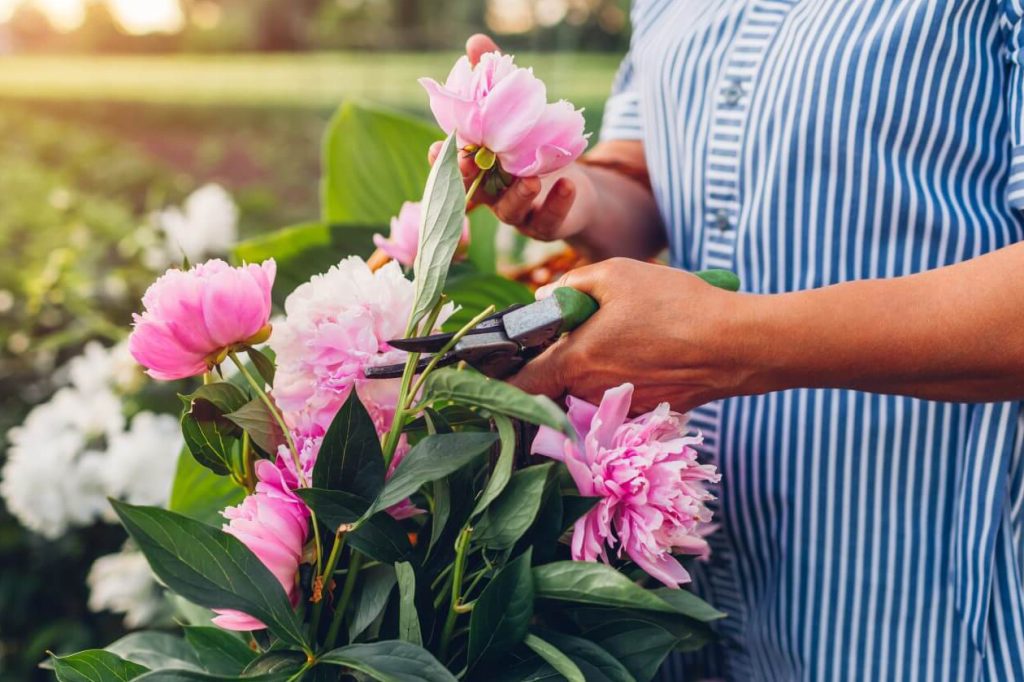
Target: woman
[858, 164]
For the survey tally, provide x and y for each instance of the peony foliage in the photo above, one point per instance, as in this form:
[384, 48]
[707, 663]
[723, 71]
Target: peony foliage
[401, 529]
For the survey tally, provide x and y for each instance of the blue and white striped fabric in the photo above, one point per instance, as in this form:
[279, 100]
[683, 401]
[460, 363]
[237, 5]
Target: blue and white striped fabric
[804, 143]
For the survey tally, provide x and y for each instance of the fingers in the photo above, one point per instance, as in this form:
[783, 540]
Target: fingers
[545, 374]
[514, 205]
[433, 152]
[546, 220]
[478, 45]
[591, 279]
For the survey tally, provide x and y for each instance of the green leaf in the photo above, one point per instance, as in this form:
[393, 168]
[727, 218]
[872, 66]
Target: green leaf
[502, 613]
[200, 494]
[408, 617]
[596, 663]
[256, 419]
[514, 511]
[302, 251]
[641, 647]
[475, 291]
[555, 658]
[198, 676]
[95, 665]
[219, 651]
[590, 582]
[441, 512]
[373, 160]
[432, 458]
[210, 437]
[483, 233]
[260, 359]
[689, 604]
[472, 388]
[209, 567]
[390, 661]
[370, 599]
[379, 536]
[275, 661]
[350, 457]
[443, 213]
[502, 471]
[155, 650]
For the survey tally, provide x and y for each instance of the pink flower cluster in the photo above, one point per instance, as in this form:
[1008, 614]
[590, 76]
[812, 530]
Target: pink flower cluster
[645, 471]
[503, 108]
[273, 523]
[193, 316]
[404, 240]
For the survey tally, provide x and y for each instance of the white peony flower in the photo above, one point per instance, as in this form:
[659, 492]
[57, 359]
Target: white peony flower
[99, 368]
[124, 583]
[140, 462]
[206, 225]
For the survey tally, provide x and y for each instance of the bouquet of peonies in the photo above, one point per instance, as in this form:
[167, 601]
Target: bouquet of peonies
[435, 527]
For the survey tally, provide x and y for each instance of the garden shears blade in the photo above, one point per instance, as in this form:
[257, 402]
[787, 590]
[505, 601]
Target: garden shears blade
[501, 344]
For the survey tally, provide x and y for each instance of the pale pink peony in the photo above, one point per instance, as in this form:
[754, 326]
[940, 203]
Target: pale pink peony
[193, 316]
[336, 325]
[273, 523]
[649, 479]
[503, 108]
[404, 239]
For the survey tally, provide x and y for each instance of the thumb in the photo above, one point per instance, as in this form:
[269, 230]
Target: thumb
[545, 374]
[477, 45]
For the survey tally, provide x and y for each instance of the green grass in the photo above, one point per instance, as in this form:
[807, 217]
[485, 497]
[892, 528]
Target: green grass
[306, 81]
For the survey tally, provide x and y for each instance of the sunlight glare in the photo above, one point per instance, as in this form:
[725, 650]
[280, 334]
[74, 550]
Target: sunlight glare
[144, 16]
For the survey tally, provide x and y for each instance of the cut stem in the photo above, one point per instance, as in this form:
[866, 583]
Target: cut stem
[461, 549]
[346, 596]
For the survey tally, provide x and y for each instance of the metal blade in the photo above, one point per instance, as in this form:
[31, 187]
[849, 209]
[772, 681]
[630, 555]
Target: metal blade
[396, 371]
[435, 342]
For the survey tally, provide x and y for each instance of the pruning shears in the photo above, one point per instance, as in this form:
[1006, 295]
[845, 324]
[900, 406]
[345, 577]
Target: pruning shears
[501, 344]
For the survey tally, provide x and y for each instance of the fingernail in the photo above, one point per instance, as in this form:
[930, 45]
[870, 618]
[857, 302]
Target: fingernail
[544, 292]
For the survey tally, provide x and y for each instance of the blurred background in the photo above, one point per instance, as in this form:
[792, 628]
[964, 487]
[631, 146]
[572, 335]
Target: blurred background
[133, 132]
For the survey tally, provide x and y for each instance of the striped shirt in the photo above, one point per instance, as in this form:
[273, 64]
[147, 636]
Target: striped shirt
[801, 144]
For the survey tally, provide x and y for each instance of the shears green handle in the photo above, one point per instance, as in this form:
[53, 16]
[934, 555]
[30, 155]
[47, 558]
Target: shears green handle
[577, 307]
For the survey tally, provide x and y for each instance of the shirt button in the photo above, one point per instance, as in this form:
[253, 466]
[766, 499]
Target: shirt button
[733, 94]
[722, 220]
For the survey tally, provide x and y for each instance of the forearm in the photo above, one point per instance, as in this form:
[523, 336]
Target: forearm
[955, 334]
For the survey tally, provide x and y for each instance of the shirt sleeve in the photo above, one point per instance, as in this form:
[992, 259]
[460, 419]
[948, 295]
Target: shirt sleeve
[622, 116]
[1013, 31]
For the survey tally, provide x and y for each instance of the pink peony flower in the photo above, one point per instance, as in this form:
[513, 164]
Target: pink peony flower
[404, 239]
[192, 317]
[648, 477]
[273, 524]
[336, 325]
[502, 108]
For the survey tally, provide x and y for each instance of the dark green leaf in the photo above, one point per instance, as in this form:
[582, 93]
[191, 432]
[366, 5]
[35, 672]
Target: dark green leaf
[275, 662]
[475, 291]
[514, 511]
[689, 604]
[256, 419]
[408, 617]
[219, 651]
[502, 471]
[302, 251]
[201, 494]
[198, 676]
[390, 661]
[502, 613]
[555, 658]
[350, 457]
[155, 650]
[377, 583]
[443, 213]
[263, 364]
[95, 665]
[432, 458]
[590, 582]
[473, 388]
[641, 647]
[442, 510]
[596, 663]
[209, 567]
[379, 536]
[373, 160]
[210, 437]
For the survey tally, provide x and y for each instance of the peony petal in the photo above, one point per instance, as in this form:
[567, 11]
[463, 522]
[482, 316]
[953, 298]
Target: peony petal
[557, 140]
[236, 621]
[549, 443]
[664, 568]
[511, 110]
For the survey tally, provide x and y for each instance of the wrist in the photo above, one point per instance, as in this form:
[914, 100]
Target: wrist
[759, 343]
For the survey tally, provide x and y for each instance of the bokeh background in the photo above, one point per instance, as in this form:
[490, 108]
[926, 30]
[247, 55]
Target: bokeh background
[113, 114]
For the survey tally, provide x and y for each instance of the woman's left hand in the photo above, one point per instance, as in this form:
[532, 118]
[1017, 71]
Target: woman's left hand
[669, 333]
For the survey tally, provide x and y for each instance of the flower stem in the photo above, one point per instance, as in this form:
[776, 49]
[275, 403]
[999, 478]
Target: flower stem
[248, 463]
[325, 578]
[346, 596]
[461, 549]
[447, 347]
[475, 185]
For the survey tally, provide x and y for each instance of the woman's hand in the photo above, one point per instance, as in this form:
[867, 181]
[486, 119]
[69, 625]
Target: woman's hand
[669, 333]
